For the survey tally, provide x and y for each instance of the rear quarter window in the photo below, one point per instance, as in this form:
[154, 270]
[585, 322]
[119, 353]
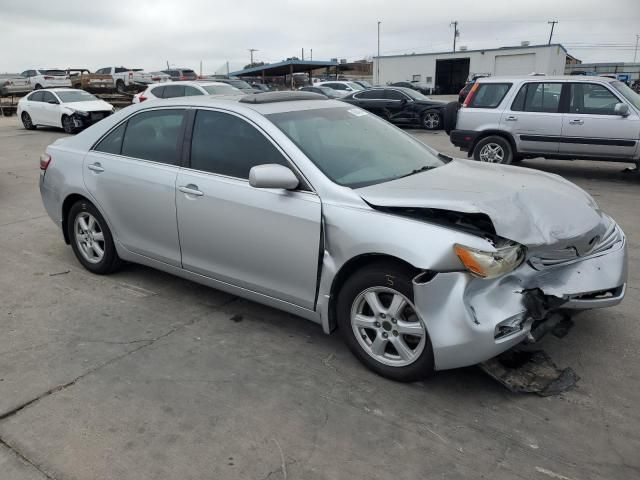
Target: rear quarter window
[489, 95]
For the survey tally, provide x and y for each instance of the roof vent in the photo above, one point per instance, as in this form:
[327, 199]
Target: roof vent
[463, 48]
[272, 97]
[525, 43]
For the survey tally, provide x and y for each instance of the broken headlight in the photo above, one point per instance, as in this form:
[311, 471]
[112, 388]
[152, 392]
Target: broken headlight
[490, 264]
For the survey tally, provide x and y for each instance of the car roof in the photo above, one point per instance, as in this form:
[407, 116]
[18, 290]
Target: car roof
[201, 83]
[544, 78]
[232, 102]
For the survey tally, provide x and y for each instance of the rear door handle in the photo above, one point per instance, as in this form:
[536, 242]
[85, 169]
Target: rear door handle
[511, 118]
[576, 122]
[191, 189]
[95, 167]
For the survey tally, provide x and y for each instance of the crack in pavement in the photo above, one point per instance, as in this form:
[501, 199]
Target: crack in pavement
[59, 388]
[25, 459]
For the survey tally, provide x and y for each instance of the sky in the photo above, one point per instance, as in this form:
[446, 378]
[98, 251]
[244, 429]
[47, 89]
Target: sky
[149, 33]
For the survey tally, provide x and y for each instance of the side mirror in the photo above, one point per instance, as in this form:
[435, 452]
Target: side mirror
[621, 109]
[272, 175]
[53, 102]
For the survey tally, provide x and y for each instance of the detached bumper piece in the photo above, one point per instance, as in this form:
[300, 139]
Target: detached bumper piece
[463, 139]
[525, 371]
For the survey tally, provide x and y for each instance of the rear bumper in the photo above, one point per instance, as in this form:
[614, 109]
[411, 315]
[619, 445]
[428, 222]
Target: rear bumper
[463, 139]
[470, 320]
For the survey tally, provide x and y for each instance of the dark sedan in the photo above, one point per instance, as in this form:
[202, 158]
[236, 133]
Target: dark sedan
[326, 91]
[402, 106]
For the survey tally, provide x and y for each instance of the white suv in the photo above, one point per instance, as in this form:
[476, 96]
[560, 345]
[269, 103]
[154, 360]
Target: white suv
[505, 119]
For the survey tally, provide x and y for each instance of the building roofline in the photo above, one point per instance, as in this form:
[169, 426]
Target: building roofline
[269, 66]
[463, 52]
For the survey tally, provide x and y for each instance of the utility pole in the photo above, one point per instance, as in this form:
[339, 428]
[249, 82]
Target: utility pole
[303, 54]
[635, 53]
[312, 54]
[553, 24]
[378, 62]
[456, 33]
[251, 50]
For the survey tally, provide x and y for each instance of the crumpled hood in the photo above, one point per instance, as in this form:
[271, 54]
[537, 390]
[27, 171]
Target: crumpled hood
[530, 207]
[90, 106]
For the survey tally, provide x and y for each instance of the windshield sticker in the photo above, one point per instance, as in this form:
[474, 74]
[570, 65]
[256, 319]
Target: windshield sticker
[357, 112]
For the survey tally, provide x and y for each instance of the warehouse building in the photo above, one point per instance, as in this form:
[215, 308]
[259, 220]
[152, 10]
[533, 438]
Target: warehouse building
[447, 72]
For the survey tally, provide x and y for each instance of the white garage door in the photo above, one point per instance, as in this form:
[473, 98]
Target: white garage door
[521, 64]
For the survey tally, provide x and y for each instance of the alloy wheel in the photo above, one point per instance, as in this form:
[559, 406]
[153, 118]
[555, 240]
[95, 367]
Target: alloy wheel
[26, 121]
[387, 327]
[431, 120]
[67, 124]
[89, 237]
[492, 153]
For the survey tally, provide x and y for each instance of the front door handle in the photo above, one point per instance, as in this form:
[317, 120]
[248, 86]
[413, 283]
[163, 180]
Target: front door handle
[576, 122]
[95, 167]
[511, 118]
[191, 189]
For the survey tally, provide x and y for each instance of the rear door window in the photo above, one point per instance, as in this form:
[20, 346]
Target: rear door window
[155, 136]
[112, 143]
[489, 95]
[538, 97]
[190, 91]
[36, 97]
[172, 91]
[158, 92]
[592, 98]
[370, 95]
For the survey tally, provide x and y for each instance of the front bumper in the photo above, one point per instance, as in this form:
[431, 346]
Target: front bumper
[466, 317]
[84, 121]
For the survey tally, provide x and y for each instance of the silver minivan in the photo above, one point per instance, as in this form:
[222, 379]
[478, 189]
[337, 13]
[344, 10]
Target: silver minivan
[506, 119]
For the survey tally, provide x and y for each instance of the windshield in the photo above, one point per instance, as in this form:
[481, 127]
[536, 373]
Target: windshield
[364, 83]
[355, 86]
[241, 84]
[75, 96]
[627, 93]
[55, 73]
[353, 147]
[220, 89]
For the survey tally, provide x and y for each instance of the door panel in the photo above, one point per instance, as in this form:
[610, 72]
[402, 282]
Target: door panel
[592, 129]
[138, 199]
[533, 118]
[261, 239]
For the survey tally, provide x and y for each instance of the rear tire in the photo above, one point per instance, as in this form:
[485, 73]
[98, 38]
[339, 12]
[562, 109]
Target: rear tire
[372, 333]
[120, 86]
[27, 122]
[91, 239]
[37, 87]
[493, 149]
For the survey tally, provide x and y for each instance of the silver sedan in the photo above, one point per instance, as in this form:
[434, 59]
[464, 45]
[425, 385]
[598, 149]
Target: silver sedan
[316, 207]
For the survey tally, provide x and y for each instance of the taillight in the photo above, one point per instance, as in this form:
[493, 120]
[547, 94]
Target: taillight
[49, 78]
[470, 95]
[155, 79]
[130, 74]
[45, 161]
[182, 77]
[142, 98]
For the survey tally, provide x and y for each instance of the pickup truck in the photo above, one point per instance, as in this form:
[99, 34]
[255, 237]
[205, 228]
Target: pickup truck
[127, 78]
[91, 82]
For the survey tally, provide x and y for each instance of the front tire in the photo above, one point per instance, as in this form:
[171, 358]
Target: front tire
[431, 120]
[67, 124]
[91, 239]
[380, 324]
[27, 122]
[493, 149]
[120, 86]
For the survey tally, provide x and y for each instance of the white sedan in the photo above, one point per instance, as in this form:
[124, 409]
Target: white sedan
[71, 109]
[185, 89]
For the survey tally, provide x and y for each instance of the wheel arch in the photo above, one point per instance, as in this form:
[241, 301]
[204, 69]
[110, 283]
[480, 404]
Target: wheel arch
[68, 202]
[348, 268]
[494, 132]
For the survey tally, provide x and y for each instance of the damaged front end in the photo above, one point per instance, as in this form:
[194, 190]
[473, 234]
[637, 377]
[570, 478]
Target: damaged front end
[472, 319]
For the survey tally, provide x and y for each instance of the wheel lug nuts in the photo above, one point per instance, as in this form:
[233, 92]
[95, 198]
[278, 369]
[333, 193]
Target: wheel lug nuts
[385, 334]
[382, 315]
[377, 324]
[395, 333]
[393, 320]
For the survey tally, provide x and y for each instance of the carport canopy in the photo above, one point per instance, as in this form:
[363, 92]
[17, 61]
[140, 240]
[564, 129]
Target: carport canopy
[284, 68]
